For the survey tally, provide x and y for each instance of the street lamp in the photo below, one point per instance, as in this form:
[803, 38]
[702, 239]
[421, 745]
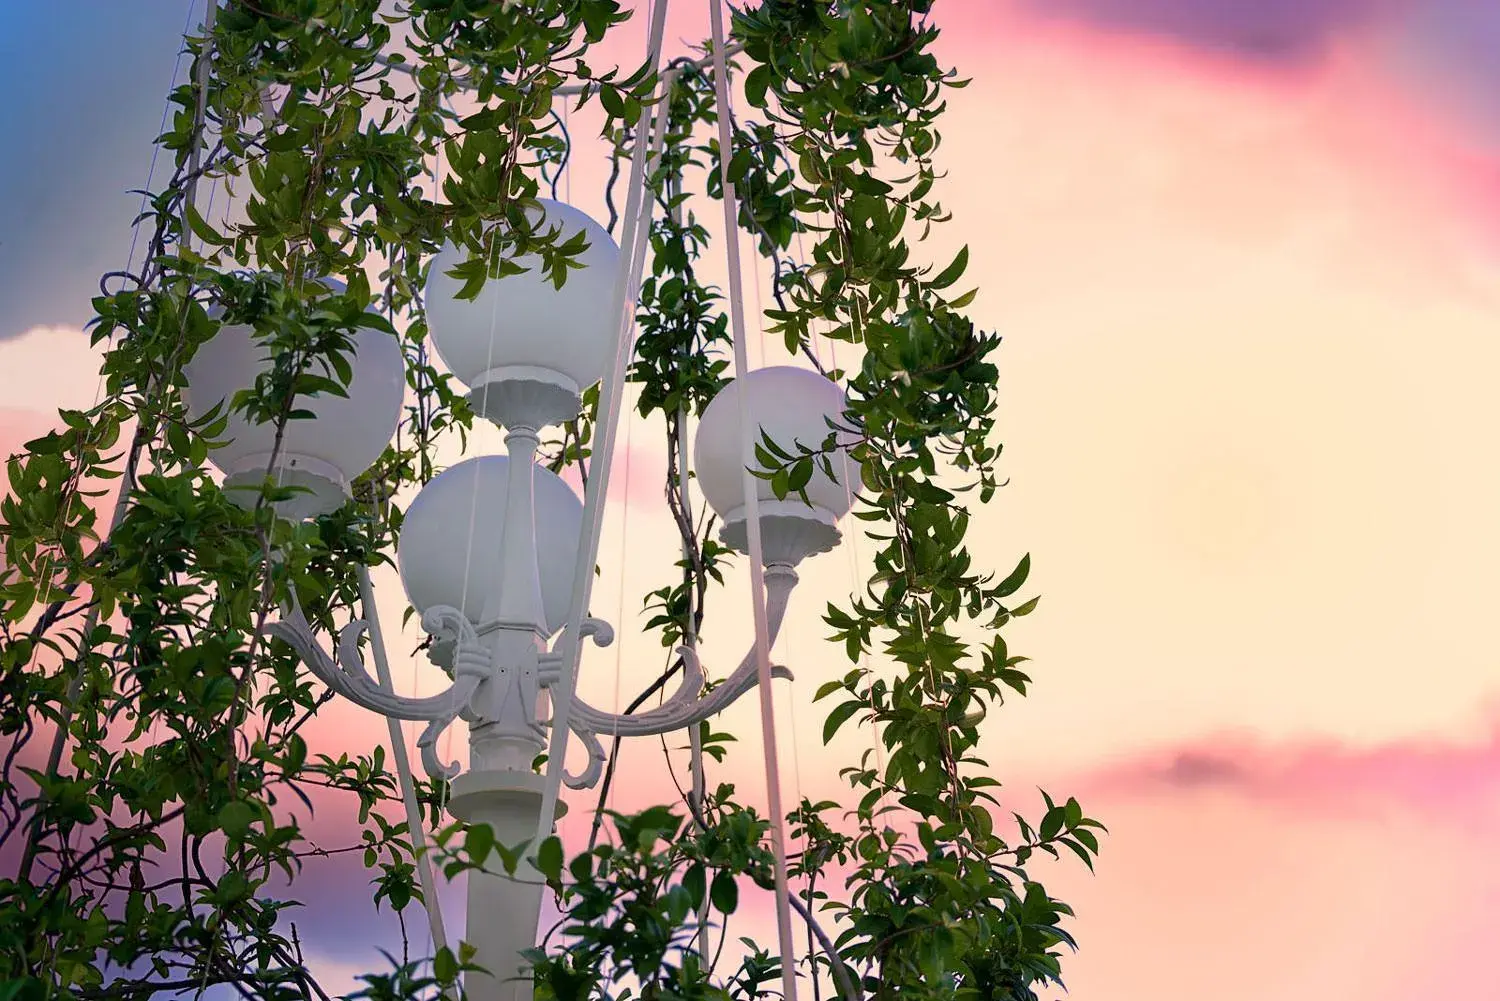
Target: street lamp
[321, 455]
[488, 549]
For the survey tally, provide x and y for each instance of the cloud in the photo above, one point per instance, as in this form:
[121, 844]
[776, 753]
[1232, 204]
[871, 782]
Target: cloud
[1274, 32]
[1445, 51]
[56, 368]
[88, 82]
[1449, 778]
[1254, 868]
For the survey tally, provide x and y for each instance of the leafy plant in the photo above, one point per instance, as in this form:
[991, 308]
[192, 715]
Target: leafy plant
[155, 763]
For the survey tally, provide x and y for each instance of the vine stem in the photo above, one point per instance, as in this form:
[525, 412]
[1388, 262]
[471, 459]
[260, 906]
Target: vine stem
[122, 500]
[75, 683]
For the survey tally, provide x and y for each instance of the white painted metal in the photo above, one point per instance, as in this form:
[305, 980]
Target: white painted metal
[523, 328]
[415, 827]
[443, 566]
[776, 817]
[793, 407]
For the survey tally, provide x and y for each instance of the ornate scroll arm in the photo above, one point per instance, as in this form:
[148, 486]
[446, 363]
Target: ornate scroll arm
[594, 770]
[602, 633]
[349, 677]
[677, 712]
[686, 706]
[427, 745]
[550, 664]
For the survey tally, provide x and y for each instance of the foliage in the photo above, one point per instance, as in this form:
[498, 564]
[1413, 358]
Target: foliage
[154, 793]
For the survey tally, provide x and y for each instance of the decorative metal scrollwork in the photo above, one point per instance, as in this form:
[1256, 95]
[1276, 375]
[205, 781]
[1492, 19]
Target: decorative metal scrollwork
[348, 675]
[688, 705]
[474, 665]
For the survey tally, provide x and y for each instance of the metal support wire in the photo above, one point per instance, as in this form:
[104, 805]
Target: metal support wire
[777, 816]
[416, 829]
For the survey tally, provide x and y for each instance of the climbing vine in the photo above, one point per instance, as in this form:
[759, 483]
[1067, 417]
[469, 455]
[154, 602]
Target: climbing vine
[156, 781]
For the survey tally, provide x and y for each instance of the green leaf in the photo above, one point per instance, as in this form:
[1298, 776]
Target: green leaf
[478, 843]
[445, 965]
[236, 817]
[838, 717]
[549, 859]
[613, 102]
[725, 892]
[952, 272]
[757, 82]
[694, 881]
[1052, 823]
[1010, 585]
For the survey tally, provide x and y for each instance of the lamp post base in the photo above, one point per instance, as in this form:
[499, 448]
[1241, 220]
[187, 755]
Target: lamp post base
[503, 910]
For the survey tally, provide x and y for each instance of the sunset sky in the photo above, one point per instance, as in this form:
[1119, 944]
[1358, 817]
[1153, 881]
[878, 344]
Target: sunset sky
[1245, 257]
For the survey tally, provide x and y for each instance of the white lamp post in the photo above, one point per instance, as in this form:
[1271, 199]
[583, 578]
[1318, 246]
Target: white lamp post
[488, 549]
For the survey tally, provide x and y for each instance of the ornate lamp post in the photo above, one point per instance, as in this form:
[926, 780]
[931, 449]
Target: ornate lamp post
[488, 549]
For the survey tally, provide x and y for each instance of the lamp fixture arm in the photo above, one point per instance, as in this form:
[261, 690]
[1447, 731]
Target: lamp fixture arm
[687, 706]
[348, 675]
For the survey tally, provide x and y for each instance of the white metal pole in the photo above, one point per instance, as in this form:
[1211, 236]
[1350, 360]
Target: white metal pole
[752, 510]
[500, 789]
[415, 827]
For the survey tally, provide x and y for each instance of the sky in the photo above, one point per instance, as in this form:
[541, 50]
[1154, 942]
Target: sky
[1245, 257]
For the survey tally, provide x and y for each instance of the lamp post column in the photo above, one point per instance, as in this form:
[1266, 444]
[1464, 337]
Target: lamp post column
[503, 910]
[500, 788]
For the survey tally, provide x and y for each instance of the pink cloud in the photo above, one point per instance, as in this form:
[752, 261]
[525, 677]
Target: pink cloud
[18, 426]
[1272, 32]
[1459, 781]
[1239, 868]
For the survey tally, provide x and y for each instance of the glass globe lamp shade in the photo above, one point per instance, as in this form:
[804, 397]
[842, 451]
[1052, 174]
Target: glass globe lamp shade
[320, 454]
[792, 406]
[526, 348]
[449, 545]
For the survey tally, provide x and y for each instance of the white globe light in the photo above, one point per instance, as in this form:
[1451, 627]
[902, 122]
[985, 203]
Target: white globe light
[321, 454]
[794, 407]
[449, 545]
[526, 348]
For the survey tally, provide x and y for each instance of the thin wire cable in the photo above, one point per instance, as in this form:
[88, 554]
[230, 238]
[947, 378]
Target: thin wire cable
[877, 743]
[567, 166]
[135, 230]
[625, 415]
[752, 513]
